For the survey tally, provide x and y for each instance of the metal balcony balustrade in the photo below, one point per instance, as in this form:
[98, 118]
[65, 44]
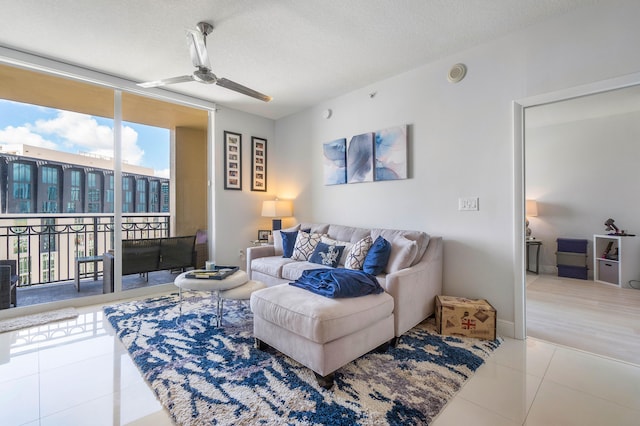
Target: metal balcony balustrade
[45, 246]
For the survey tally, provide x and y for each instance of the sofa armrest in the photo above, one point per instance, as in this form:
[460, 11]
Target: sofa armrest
[257, 252]
[414, 289]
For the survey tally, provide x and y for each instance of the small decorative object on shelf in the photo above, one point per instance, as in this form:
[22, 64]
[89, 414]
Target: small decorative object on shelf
[614, 230]
[263, 235]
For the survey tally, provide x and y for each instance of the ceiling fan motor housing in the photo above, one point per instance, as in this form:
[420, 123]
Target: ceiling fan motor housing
[203, 75]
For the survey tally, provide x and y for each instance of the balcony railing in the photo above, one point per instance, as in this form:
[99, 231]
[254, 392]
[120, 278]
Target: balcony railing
[46, 246]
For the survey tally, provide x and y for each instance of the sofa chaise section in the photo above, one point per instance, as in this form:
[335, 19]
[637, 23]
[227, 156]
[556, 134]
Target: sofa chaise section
[413, 276]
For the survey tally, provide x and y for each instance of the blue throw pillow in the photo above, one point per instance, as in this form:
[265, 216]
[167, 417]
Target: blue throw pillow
[325, 254]
[377, 257]
[288, 242]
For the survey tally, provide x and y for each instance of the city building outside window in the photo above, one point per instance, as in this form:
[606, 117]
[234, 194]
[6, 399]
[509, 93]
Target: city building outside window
[21, 176]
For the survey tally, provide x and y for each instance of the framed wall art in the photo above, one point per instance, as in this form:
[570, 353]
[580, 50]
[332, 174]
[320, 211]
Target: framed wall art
[263, 234]
[391, 153]
[335, 162]
[360, 158]
[232, 160]
[258, 164]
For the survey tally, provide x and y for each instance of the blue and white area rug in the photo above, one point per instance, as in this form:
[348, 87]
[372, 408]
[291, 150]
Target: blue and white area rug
[205, 375]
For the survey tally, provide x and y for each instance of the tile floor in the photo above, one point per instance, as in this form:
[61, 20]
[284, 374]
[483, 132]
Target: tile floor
[77, 373]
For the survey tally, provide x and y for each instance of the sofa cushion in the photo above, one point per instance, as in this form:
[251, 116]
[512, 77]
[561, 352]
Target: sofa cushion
[271, 265]
[292, 271]
[315, 228]
[347, 233]
[316, 317]
[396, 237]
[305, 244]
[327, 254]
[377, 257]
[332, 242]
[288, 242]
[358, 252]
[403, 252]
[277, 239]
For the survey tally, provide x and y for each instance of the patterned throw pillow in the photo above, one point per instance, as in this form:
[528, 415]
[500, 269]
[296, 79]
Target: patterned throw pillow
[305, 244]
[332, 242]
[325, 254]
[357, 254]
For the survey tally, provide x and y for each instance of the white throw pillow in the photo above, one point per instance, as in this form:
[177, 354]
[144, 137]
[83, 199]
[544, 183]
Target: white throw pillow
[357, 254]
[305, 245]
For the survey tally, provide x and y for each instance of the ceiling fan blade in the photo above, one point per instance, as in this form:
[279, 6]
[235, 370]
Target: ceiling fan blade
[232, 85]
[198, 49]
[172, 80]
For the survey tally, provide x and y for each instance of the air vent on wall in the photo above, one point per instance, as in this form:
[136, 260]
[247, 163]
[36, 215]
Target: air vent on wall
[457, 73]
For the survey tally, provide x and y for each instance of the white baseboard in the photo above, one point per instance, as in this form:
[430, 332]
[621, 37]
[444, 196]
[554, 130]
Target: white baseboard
[506, 328]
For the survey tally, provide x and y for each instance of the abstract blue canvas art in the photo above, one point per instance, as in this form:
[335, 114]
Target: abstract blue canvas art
[360, 158]
[391, 153]
[335, 162]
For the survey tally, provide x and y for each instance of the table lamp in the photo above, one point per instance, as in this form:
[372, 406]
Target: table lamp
[277, 209]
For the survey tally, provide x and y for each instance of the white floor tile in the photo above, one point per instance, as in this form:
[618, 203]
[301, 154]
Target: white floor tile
[59, 356]
[159, 418]
[19, 401]
[559, 405]
[138, 402]
[531, 356]
[65, 387]
[615, 381]
[462, 412]
[503, 390]
[15, 366]
[80, 373]
[103, 411]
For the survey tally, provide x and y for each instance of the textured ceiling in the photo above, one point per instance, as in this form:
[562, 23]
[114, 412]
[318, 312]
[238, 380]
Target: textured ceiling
[301, 52]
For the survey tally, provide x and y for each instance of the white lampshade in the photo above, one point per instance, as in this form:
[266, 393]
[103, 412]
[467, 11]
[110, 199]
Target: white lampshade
[277, 208]
[531, 208]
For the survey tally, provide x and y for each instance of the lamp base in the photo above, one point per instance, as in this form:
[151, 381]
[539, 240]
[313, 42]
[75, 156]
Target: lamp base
[276, 224]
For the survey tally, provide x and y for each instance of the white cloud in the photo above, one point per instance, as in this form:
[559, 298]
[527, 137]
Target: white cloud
[81, 132]
[23, 135]
[164, 173]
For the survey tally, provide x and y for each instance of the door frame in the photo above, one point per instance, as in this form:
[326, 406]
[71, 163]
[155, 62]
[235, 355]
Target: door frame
[519, 140]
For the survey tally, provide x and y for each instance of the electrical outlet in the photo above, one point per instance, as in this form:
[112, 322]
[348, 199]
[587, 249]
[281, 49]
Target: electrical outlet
[468, 204]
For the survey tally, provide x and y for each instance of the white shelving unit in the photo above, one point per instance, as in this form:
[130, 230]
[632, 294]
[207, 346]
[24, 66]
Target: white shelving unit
[617, 270]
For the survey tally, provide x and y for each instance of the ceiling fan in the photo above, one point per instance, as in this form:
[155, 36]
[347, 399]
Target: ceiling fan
[198, 49]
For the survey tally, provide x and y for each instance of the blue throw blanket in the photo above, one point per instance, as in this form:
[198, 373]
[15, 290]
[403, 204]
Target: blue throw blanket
[338, 283]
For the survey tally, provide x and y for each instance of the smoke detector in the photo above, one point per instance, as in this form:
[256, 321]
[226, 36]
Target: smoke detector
[457, 73]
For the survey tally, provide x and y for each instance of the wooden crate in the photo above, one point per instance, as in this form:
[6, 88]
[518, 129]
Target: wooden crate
[458, 316]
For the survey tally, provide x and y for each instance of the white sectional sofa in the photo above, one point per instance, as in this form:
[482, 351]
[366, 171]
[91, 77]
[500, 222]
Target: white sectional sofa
[412, 276]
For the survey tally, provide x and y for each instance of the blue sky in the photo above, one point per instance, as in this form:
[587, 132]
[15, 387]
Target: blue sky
[73, 132]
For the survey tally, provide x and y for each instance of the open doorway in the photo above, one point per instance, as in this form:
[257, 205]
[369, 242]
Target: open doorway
[580, 159]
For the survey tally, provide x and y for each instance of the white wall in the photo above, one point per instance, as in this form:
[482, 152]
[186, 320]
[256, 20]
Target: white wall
[461, 142]
[582, 173]
[237, 213]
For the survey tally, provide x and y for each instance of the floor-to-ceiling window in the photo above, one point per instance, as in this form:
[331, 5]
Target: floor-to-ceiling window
[61, 186]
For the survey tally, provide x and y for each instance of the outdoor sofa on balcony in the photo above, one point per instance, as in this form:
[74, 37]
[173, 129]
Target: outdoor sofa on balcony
[8, 283]
[149, 255]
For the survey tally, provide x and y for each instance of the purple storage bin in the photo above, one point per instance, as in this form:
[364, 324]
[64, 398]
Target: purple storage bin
[580, 272]
[572, 245]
